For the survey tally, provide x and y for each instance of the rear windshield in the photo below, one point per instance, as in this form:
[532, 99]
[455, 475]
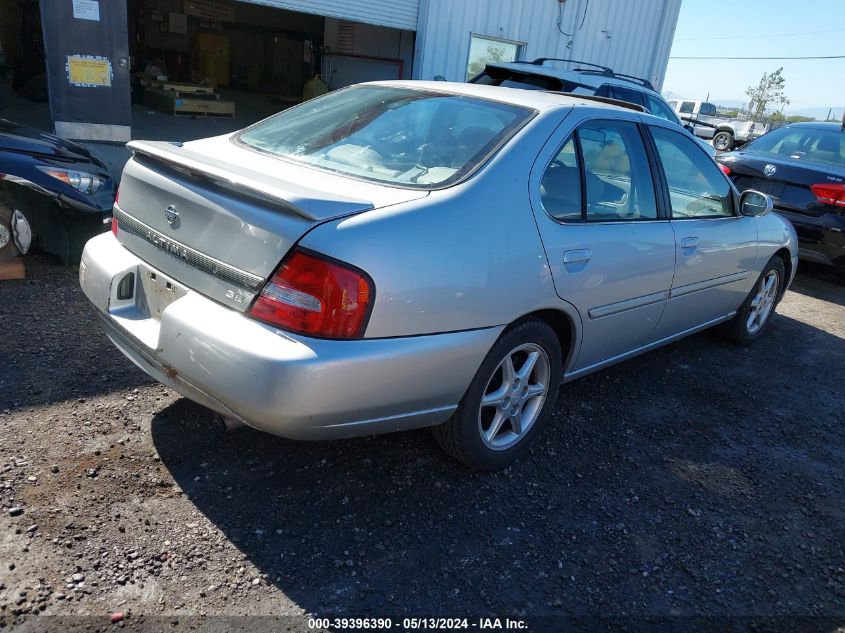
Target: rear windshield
[821, 146]
[401, 136]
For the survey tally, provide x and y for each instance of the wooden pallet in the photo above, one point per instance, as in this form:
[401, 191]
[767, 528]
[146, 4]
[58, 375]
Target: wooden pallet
[171, 102]
[12, 269]
[186, 88]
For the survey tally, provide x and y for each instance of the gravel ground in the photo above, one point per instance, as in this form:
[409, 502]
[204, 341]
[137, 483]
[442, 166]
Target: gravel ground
[702, 479]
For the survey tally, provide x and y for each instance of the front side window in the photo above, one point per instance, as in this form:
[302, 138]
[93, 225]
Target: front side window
[485, 50]
[610, 160]
[697, 188]
[412, 138]
[687, 107]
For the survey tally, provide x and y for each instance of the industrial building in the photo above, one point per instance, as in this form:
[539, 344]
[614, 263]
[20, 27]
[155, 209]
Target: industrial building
[99, 56]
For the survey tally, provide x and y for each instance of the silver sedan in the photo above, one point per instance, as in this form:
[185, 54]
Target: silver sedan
[405, 254]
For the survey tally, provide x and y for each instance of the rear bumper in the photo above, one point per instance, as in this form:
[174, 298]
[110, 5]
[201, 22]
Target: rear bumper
[821, 239]
[284, 384]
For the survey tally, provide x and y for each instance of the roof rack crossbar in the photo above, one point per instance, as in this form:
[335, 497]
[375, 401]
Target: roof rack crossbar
[617, 102]
[645, 82]
[607, 72]
[542, 60]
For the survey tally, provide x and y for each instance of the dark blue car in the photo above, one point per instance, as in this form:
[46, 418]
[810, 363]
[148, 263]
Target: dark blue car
[802, 167]
[52, 190]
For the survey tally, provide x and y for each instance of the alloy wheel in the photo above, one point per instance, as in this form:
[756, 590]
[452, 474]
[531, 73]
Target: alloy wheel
[721, 142]
[514, 396]
[763, 302]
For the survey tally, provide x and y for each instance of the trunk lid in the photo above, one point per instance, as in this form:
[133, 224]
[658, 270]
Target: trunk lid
[219, 218]
[789, 183]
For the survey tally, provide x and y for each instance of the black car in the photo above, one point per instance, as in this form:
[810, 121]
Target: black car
[52, 190]
[802, 167]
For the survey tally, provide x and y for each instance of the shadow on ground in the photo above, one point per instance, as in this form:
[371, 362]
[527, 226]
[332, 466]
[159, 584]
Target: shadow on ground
[820, 282]
[702, 478]
[51, 346]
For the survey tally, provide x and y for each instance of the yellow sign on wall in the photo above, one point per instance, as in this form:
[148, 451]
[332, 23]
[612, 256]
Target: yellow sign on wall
[88, 71]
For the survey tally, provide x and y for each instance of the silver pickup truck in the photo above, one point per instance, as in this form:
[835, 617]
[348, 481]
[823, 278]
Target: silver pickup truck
[726, 134]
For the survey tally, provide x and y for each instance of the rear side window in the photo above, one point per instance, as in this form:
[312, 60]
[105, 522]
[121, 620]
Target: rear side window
[660, 109]
[627, 94]
[687, 107]
[697, 188]
[608, 157]
[618, 179]
[560, 188]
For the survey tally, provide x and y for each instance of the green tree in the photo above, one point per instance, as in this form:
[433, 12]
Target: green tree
[768, 93]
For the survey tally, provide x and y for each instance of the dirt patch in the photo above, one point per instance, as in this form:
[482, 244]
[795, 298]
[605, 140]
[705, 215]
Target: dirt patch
[700, 479]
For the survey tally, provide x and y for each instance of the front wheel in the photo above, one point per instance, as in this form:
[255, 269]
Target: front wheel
[755, 314]
[509, 400]
[723, 141]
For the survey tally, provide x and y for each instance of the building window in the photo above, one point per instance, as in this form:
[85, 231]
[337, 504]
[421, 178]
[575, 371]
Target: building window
[484, 50]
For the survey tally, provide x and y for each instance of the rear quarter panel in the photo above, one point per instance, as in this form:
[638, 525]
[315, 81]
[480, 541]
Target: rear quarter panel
[465, 257]
[773, 234]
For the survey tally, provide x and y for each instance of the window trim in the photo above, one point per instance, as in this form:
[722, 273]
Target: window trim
[665, 181]
[659, 201]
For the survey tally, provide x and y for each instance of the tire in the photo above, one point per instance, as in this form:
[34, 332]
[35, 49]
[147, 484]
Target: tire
[8, 248]
[469, 436]
[742, 329]
[723, 141]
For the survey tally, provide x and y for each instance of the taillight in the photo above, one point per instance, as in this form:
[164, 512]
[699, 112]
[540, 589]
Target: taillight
[316, 296]
[113, 218]
[829, 193]
[725, 169]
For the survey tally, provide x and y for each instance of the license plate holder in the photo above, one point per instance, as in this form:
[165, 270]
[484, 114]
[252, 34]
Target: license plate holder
[769, 187]
[155, 292]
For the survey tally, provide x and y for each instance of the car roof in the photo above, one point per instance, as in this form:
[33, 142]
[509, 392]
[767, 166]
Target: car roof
[535, 99]
[586, 77]
[829, 126]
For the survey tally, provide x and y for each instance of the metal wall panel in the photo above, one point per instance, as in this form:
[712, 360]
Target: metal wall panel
[400, 14]
[630, 36]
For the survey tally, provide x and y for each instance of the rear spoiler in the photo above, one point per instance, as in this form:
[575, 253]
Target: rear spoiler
[311, 204]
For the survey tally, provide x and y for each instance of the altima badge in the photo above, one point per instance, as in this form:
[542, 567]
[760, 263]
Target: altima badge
[769, 170]
[172, 216]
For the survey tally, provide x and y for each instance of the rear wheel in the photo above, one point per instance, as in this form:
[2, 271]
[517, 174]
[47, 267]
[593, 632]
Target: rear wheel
[723, 141]
[755, 314]
[509, 400]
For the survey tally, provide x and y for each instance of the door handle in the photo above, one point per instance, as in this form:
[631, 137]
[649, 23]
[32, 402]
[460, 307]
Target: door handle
[689, 243]
[580, 256]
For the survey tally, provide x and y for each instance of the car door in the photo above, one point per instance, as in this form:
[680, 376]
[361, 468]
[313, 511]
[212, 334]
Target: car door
[610, 248]
[715, 247]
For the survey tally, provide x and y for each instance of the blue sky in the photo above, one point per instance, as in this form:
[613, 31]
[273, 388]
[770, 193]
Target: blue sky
[775, 28]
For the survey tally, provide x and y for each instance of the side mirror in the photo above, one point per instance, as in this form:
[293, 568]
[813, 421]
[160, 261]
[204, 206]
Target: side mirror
[689, 128]
[754, 204]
